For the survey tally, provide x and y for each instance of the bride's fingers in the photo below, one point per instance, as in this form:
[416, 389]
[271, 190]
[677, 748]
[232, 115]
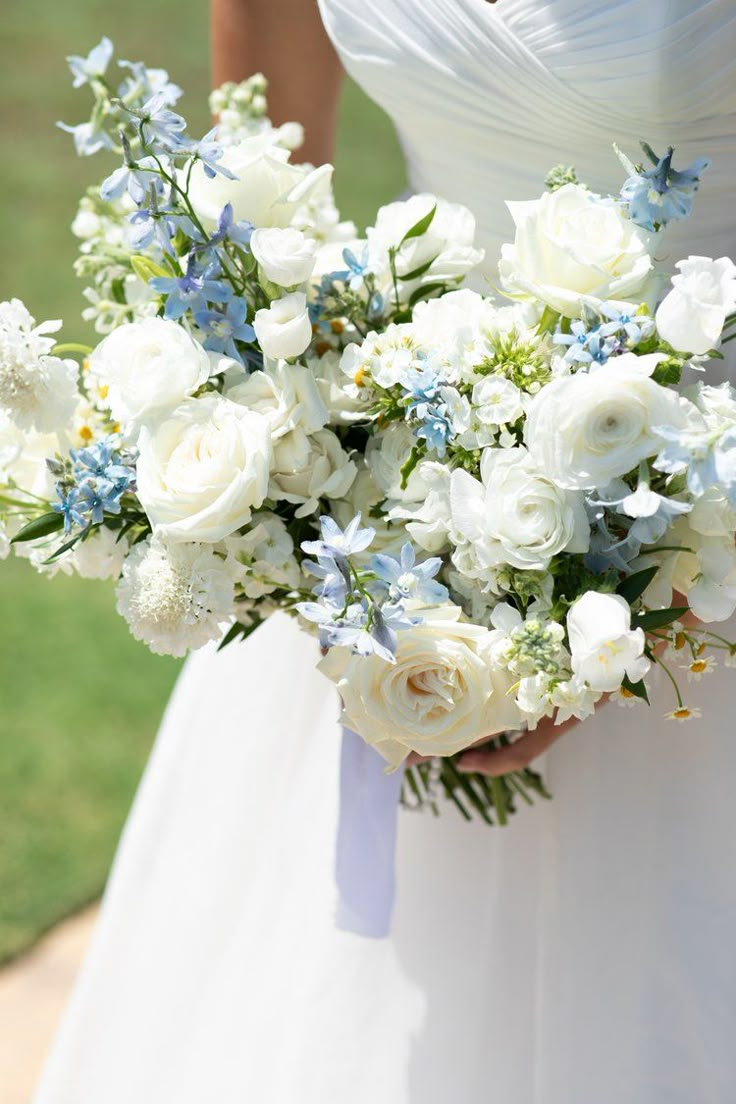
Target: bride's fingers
[516, 756]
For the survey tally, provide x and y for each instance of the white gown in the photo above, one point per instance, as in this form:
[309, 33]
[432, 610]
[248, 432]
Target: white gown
[584, 954]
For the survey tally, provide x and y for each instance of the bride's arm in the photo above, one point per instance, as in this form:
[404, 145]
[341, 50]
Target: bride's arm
[285, 40]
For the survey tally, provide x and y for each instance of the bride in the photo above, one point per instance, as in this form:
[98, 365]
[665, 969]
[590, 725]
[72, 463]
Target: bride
[582, 955]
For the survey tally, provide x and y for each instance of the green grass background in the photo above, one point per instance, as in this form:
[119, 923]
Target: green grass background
[80, 700]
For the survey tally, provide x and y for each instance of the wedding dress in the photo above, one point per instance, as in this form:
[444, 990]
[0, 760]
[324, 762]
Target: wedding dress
[582, 955]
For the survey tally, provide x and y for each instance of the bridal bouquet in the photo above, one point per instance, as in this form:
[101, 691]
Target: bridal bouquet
[482, 502]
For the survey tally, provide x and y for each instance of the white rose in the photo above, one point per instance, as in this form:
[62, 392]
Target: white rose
[587, 429]
[445, 248]
[286, 256]
[285, 394]
[571, 246]
[691, 316]
[268, 190]
[325, 471]
[283, 329]
[604, 647]
[516, 515]
[148, 368]
[443, 693]
[203, 470]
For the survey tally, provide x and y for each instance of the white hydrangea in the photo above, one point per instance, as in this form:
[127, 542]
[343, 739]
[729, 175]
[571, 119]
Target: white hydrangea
[99, 556]
[37, 391]
[176, 597]
[264, 557]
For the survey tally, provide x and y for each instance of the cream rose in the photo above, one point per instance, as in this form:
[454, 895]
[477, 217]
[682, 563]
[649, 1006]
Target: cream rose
[203, 470]
[306, 469]
[444, 692]
[283, 329]
[587, 429]
[286, 257]
[286, 394]
[148, 368]
[267, 191]
[571, 246]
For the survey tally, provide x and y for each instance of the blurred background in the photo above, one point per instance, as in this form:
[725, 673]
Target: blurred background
[80, 700]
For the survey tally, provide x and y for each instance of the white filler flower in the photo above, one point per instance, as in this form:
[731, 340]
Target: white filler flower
[37, 391]
[603, 645]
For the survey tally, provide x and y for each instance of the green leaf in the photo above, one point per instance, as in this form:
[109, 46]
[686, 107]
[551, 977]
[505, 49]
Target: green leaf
[634, 586]
[417, 272]
[668, 372]
[426, 291]
[657, 619]
[408, 467]
[66, 547]
[420, 227]
[42, 526]
[638, 689]
[146, 269]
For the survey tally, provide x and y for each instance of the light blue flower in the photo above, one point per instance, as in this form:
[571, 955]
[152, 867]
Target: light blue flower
[635, 327]
[357, 268]
[239, 233]
[97, 498]
[435, 429]
[93, 66]
[588, 343]
[338, 544]
[136, 177]
[89, 138]
[191, 292]
[406, 580]
[142, 83]
[661, 194]
[68, 507]
[162, 127]
[706, 457]
[224, 327]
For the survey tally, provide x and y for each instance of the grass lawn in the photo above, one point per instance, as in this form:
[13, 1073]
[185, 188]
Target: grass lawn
[79, 699]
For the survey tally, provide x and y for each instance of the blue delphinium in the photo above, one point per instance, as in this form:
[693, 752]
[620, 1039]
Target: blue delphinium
[193, 291]
[239, 233]
[706, 457]
[226, 326]
[210, 152]
[661, 194]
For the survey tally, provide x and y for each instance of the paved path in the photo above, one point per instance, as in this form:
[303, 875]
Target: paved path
[33, 991]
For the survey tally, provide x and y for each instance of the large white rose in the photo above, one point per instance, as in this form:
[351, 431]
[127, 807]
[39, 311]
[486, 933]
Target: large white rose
[603, 645]
[446, 248]
[445, 691]
[516, 515]
[268, 190]
[286, 394]
[283, 329]
[286, 256]
[148, 367]
[585, 430]
[203, 470]
[691, 316]
[571, 246]
[303, 475]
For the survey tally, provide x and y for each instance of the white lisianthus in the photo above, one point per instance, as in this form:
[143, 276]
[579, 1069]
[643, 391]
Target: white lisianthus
[203, 470]
[283, 329]
[515, 514]
[572, 247]
[341, 398]
[446, 248]
[267, 191]
[703, 293]
[100, 555]
[148, 368]
[428, 522]
[604, 647]
[264, 557]
[285, 394]
[587, 429]
[443, 693]
[175, 597]
[37, 391]
[286, 256]
[323, 470]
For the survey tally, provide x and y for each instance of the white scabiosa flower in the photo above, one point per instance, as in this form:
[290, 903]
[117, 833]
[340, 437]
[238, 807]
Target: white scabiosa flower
[175, 597]
[37, 391]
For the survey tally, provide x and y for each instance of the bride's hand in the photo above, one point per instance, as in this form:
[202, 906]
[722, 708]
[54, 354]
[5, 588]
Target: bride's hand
[515, 757]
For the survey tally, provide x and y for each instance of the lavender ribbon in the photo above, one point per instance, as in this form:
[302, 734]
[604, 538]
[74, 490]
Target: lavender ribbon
[366, 839]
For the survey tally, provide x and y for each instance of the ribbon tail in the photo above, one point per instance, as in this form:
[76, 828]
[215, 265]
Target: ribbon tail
[365, 858]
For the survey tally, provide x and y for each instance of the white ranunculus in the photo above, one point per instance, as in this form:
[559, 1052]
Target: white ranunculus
[444, 692]
[585, 430]
[37, 391]
[571, 247]
[176, 597]
[286, 394]
[283, 329]
[604, 647]
[286, 256]
[341, 398]
[703, 293]
[516, 515]
[148, 368]
[324, 470]
[446, 247]
[268, 190]
[204, 469]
